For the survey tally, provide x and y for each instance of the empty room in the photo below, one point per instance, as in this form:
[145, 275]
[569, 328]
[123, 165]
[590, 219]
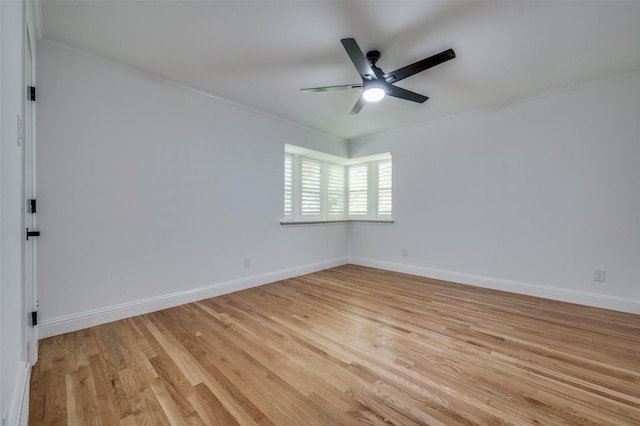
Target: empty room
[320, 212]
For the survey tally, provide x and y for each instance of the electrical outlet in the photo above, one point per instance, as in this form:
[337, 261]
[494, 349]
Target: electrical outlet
[405, 252]
[598, 275]
[247, 262]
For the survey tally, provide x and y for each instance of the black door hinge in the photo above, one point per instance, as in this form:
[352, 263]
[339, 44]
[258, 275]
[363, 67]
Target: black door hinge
[31, 93]
[34, 318]
[32, 206]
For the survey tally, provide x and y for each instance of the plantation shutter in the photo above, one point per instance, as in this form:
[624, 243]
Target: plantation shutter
[384, 188]
[310, 171]
[335, 189]
[288, 186]
[358, 189]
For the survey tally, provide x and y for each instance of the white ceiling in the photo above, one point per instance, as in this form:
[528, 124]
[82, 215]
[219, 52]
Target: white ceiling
[259, 54]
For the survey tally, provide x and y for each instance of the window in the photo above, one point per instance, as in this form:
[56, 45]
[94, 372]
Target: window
[359, 190]
[288, 186]
[335, 190]
[310, 175]
[384, 188]
[321, 187]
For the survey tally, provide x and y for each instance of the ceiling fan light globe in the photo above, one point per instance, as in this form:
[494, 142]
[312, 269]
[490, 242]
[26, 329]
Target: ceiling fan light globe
[373, 94]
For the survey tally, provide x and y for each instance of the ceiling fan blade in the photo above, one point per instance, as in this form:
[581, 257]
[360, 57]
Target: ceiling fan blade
[358, 58]
[399, 92]
[332, 88]
[416, 67]
[358, 106]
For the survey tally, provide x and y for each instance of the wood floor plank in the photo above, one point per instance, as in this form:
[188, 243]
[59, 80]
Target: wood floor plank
[54, 385]
[74, 399]
[348, 345]
[104, 401]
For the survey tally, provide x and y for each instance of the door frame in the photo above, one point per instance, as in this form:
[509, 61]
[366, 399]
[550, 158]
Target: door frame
[30, 303]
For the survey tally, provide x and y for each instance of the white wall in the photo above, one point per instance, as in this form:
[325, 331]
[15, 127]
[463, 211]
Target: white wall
[151, 195]
[529, 197]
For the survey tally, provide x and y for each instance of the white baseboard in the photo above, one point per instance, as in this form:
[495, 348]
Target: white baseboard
[18, 412]
[572, 296]
[79, 321]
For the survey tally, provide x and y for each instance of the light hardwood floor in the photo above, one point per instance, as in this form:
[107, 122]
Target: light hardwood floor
[349, 345]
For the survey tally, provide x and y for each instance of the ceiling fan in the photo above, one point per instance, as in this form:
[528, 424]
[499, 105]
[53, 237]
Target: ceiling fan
[375, 83]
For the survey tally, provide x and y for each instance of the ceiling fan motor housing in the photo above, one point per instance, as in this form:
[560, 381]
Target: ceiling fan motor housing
[373, 56]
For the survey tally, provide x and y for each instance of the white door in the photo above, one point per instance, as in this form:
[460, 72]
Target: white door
[30, 302]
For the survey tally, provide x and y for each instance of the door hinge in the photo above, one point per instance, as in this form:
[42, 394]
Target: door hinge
[32, 206]
[31, 93]
[34, 318]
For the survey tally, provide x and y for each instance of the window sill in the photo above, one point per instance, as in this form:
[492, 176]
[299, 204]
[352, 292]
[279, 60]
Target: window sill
[329, 222]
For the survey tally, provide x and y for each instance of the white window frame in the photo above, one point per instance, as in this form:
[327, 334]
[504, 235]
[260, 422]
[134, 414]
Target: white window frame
[372, 214]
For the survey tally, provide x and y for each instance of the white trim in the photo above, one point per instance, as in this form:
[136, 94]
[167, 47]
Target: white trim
[34, 17]
[286, 222]
[69, 323]
[18, 411]
[572, 296]
[79, 321]
[32, 32]
[343, 161]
